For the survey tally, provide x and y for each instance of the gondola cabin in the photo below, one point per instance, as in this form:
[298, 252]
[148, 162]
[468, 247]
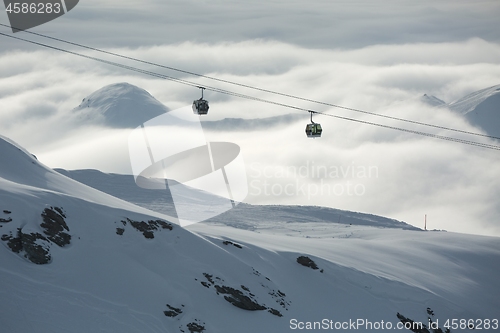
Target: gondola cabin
[313, 130]
[200, 106]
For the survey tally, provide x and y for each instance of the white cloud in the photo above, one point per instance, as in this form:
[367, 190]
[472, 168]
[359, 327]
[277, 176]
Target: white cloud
[452, 183]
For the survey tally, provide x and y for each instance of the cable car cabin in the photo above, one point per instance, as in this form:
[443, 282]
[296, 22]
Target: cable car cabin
[313, 130]
[200, 106]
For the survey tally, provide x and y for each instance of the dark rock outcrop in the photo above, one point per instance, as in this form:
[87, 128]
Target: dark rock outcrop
[148, 228]
[419, 327]
[172, 312]
[238, 298]
[29, 244]
[7, 220]
[54, 225]
[275, 312]
[231, 243]
[35, 246]
[306, 261]
[243, 298]
[195, 327]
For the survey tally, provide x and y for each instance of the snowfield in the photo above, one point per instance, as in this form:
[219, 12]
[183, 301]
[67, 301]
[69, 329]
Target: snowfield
[130, 269]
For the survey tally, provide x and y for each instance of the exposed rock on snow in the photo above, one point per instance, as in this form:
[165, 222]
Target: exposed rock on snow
[195, 327]
[419, 327]
[306, 261]
[147, 228]
[231, 243]
[237, 298]
[7, 220]
[243, 298]
[54, 225]
[172, 312]
[35, 246]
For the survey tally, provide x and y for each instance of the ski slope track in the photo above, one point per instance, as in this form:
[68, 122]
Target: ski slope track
[105, 271]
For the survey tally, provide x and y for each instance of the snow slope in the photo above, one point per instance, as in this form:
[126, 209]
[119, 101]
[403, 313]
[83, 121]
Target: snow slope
[470, 102]
[114, 277]
[21, 172]
[481, 108]
[242, 216]
[120, 105]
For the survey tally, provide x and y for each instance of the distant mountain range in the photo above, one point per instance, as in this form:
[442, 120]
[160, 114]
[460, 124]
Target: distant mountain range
[242, 216]
[123, 105]
[481, 108]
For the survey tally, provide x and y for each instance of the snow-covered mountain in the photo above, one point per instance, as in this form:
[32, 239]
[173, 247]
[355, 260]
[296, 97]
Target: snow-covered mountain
[432, 100]
[470, 102]
[481, 108]
[242, 216]
[120, 105]
[123, 105]
[77, 260]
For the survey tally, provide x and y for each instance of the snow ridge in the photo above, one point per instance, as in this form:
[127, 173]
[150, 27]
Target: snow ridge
[470, 102]
[480, 108]
[243, 216]
[120, 105]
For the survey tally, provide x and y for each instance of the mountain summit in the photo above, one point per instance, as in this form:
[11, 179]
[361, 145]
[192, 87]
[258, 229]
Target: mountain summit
[432, 100]
[481, 108]
[472, 101]
[120, 105]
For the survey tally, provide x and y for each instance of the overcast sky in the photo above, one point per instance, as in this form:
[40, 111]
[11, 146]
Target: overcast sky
[314, 24]
[379, 56]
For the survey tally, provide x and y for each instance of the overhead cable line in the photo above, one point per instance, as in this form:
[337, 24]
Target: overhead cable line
[135, 69]
[222, 91]
[255, 88]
